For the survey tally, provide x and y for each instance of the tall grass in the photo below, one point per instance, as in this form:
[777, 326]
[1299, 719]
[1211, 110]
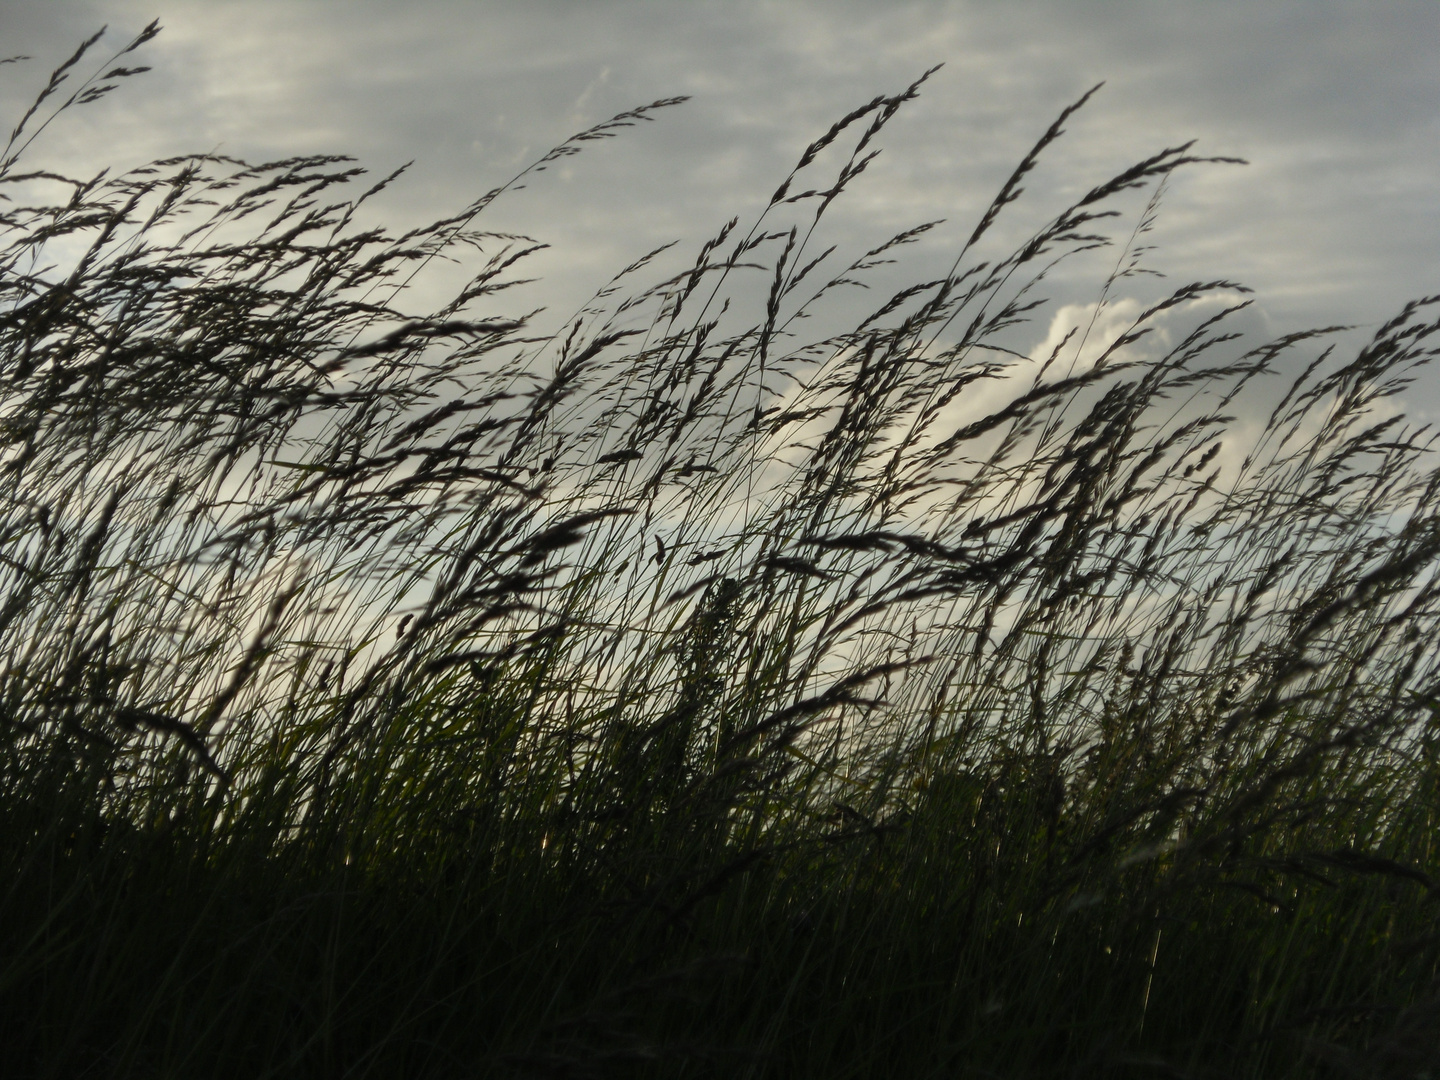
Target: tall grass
[680, 693]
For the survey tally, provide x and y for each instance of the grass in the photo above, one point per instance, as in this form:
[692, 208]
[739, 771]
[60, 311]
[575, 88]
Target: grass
[679, 693]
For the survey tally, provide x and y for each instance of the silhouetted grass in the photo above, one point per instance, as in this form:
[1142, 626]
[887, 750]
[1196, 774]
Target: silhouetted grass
[395, 694]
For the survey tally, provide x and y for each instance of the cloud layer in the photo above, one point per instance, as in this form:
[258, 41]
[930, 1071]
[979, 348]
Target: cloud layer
[1336, 105]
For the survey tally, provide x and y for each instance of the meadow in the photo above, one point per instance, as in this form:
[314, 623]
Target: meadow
[754, 674]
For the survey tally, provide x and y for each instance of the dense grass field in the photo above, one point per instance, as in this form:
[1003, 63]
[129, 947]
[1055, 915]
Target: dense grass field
[759, 675]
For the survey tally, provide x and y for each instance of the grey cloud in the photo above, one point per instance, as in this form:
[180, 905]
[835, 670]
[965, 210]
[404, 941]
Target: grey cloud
[1335, 104]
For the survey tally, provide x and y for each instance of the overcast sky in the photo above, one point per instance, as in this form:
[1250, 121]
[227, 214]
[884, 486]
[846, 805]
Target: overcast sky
[1336, 106]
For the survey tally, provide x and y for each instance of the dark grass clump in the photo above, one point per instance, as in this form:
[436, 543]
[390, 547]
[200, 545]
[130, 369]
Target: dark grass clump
[682, 693]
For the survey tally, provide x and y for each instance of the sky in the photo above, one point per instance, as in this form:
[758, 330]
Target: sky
[1335, 105]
